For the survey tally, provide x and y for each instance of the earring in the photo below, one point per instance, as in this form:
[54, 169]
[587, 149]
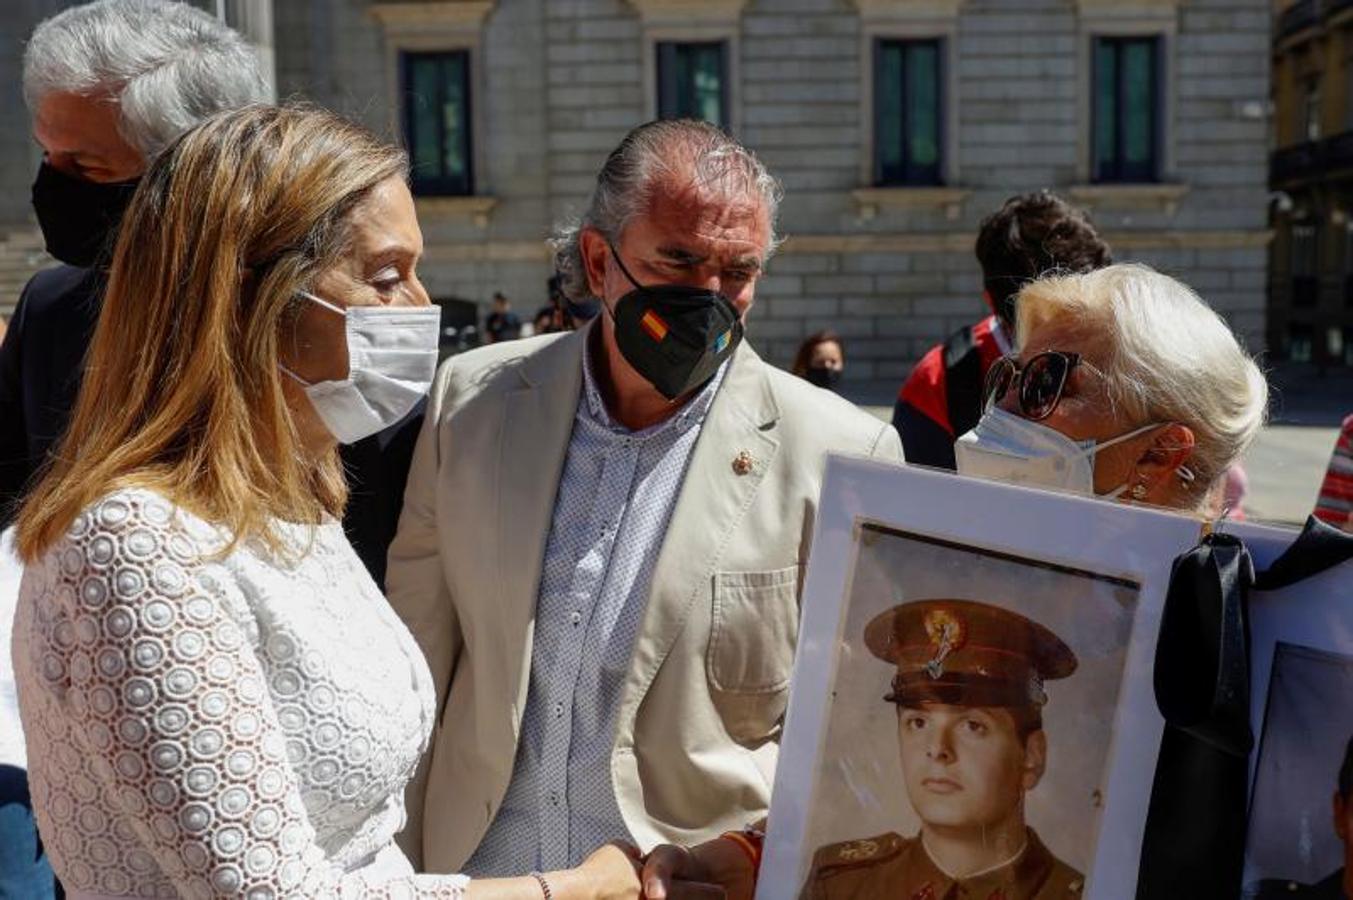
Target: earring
[1138, 491]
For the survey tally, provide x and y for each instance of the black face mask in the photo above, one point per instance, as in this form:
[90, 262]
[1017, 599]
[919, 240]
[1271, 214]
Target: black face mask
[79, 218]
[674, 335]
[823, 377]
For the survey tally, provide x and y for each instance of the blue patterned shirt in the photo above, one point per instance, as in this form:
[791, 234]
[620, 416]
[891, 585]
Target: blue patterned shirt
[560, 804]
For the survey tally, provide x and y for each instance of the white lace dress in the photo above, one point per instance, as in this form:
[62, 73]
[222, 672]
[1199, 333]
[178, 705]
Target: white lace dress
[239, 726]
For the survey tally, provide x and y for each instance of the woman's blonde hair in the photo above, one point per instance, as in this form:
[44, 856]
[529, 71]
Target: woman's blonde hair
[181, 390]
[1167, 356]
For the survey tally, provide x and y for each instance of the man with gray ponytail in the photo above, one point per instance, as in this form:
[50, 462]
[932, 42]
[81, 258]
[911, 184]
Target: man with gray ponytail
[601, 545]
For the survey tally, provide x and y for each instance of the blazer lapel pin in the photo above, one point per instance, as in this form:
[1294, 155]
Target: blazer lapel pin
[743, 463]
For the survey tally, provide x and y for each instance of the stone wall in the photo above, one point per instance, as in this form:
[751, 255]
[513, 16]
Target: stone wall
[558, 82]
[561, 81]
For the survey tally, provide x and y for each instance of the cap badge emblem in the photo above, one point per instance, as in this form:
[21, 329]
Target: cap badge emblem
[948, 633]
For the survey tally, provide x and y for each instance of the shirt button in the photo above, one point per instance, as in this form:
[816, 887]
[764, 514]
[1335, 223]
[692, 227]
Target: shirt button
[576, 618]
[554, 799]
[558, 709]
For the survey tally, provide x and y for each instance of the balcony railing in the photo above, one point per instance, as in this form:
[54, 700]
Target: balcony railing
[1312, 159]
[1302, 14]
[1338, 151]
[1305, 14]
[1294, 163]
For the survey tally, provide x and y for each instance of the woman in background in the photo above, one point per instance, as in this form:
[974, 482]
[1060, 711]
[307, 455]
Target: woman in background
[1335, 503]
[821, 360]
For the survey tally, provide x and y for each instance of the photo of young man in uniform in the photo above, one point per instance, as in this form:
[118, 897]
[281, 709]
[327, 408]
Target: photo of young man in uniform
[969, 692]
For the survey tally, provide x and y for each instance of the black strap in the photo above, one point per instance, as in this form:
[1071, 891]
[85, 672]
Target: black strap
[1320, 546]
[963, 380]
[1199, 797]
[1202, 676]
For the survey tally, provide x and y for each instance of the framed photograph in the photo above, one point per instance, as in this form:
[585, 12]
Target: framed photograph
[1300, 831]
[972, 702]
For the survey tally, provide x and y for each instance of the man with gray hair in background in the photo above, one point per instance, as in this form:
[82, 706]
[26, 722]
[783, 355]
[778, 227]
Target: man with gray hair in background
[604, 533]
[108, 85]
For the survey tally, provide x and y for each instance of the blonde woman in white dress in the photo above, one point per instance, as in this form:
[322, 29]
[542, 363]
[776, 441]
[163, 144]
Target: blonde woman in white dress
[217, 700]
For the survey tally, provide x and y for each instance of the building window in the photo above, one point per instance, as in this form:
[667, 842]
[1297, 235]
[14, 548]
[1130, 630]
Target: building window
[693, 81]
[1348, 264]
[908, 118]
[436, 91]
[1310, 112]
[1348, 94]
[1305, 264]
[1299, 342]
[1127, 109]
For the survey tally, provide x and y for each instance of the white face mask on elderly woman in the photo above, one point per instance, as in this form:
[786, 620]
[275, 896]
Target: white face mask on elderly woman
[1005, 447]
[392, 358]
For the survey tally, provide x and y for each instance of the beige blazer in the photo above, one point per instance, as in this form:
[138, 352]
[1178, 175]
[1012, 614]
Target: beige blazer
[699, 720]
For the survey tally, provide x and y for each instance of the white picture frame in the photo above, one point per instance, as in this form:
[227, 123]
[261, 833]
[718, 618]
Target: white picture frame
[1041, 530]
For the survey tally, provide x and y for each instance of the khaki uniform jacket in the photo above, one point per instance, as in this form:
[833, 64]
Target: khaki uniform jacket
[700, 714]
[891, 867]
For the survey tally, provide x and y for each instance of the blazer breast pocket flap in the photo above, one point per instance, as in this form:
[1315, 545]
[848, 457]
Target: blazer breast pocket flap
[755, 628]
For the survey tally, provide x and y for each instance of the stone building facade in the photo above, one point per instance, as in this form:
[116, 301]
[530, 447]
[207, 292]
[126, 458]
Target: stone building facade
[1311, 286]
[1152, 113]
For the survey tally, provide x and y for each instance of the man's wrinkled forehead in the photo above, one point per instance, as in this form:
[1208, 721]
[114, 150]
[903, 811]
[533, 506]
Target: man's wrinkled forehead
[731, 222]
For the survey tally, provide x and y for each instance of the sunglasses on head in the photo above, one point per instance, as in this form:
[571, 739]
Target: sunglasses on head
[1039, 382]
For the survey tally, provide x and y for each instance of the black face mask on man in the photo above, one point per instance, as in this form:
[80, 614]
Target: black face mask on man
[674, 335]
[79, 219]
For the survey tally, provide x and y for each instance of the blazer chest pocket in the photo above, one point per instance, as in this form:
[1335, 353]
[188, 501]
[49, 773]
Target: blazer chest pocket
[751, 648]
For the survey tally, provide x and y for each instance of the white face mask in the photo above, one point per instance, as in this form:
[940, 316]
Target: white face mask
[1005, 447]
[392, 358]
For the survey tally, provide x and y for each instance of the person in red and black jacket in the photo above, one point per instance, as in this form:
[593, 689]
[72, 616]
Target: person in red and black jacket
[1029, 236]
[1335, 503]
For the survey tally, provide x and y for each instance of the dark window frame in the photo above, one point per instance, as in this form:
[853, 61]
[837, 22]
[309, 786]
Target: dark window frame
[1303, 333]
[438, 184]
[668, 90]
[909, 174]
[1118, 171]
[1304, 263]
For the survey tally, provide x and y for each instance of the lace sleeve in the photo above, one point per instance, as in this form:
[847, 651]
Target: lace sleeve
[170, 704]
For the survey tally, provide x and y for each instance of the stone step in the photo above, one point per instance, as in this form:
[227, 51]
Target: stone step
[21, 256]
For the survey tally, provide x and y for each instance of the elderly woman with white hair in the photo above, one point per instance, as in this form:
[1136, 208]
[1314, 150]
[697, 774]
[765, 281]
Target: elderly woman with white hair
[1126, 386]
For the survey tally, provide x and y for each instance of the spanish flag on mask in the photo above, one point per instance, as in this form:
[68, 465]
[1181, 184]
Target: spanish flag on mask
[654, 325]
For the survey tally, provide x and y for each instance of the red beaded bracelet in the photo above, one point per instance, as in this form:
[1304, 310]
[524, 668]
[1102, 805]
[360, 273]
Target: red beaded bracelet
[750, 843]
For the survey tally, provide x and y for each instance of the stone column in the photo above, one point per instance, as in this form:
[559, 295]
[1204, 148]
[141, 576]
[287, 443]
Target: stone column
[253, 19]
